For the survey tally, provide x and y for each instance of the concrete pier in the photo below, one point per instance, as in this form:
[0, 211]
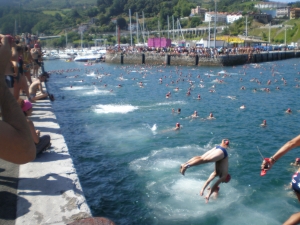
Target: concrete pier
[153, 58]
[46, 190]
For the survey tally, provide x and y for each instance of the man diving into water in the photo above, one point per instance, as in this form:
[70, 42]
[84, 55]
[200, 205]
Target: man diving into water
[218, 155]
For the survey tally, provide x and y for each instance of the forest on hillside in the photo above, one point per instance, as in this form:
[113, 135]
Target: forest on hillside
[55, 17]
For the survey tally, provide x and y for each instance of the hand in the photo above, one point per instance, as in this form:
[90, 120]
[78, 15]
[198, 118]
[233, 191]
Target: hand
[38, 133]
[267, 165]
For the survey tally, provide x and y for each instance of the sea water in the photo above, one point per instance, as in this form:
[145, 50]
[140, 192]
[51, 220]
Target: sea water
[128, 156]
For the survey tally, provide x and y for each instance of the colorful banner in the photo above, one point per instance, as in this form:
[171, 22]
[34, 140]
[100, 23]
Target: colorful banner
[230, 39]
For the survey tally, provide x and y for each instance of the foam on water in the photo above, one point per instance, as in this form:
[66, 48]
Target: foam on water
[180, 193]
[113, 108]
[171, 103]
[75, 88]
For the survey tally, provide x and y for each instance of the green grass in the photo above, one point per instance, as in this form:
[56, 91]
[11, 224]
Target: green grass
[52, 13]
[278, 34]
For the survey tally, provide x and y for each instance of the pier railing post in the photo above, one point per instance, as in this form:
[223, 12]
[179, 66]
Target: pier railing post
[167, 59]
[196, 60]
[122, 58]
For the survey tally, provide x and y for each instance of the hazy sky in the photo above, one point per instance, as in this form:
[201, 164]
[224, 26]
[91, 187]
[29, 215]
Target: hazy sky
[286, 1]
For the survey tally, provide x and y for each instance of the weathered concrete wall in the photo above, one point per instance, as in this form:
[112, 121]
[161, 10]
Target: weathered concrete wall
[185, 60]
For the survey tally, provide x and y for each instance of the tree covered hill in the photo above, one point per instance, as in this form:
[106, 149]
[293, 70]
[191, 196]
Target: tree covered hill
[53, 17]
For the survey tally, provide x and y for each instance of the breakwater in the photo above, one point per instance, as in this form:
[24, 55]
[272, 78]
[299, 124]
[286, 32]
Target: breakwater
[197, 60]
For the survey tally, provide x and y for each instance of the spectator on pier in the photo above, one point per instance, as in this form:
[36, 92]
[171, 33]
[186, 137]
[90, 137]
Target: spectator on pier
[37, 86]
[36, 55]
[42, 143]
[17, 145]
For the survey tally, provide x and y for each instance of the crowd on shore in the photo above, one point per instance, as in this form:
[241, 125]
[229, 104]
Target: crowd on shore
[22, 77]
[203, 52]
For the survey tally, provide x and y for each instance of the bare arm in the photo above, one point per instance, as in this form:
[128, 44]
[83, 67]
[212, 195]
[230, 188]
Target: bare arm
[41, 88]
[211, 177]
[293, 220]
[33, 132]
[295, 142]
[17, 145]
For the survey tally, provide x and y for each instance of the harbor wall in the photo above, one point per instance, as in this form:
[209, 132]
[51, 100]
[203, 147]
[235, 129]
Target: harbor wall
[153, 58]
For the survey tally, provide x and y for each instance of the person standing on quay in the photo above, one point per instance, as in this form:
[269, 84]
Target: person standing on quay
[17, 145]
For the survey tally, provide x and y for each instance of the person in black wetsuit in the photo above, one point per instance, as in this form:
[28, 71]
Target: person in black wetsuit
[218, 155]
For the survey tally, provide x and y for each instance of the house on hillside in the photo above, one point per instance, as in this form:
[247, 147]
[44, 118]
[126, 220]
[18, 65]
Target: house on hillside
[211, 17]
[294, 13]
[283, 12]
[261, 17]
[270, 5]
[198, 11]
[233, 17]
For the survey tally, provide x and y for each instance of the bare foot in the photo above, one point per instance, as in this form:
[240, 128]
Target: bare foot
[182, 169]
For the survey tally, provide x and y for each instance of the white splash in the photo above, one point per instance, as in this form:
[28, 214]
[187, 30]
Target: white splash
[114, 108]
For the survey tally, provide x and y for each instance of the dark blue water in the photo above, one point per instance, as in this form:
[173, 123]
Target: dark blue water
[127, 156]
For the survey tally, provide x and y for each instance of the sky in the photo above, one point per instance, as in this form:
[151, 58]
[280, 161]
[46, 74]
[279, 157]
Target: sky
[285, 1]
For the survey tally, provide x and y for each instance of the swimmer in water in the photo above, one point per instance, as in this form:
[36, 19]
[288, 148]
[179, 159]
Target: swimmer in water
[264, 123]
[168, 94]
[194, 115]
[177, 126]
[243, 107]
[288, 110]
[199, 97]
[211, 116]
[179, 110]
[296, 163]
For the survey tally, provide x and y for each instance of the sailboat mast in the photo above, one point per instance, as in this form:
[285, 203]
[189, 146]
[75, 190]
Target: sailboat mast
[137, 28]
[130, 27]
[168, 28]
[143, 27]
[173, 27]
[209, 29]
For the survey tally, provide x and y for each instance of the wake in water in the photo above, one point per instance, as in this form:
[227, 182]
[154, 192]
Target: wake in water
[113, 108]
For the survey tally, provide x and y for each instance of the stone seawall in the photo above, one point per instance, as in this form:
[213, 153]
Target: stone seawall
[197, 60]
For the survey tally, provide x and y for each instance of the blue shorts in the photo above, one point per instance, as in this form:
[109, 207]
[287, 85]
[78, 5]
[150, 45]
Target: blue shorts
[223, 150]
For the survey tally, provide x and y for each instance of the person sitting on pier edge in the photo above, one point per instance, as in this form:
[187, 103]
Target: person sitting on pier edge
[42, 143]
[37, 85]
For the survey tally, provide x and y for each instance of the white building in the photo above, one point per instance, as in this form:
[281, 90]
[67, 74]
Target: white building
[282, 12]
[270, 5]
[233, 17]
[210, 16]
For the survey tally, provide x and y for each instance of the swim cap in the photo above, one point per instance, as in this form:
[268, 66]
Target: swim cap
[177, 124]
[226, 142]
[296, 182]
[228, 178]
[36, 45]
[27, 105]
[297, 159]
